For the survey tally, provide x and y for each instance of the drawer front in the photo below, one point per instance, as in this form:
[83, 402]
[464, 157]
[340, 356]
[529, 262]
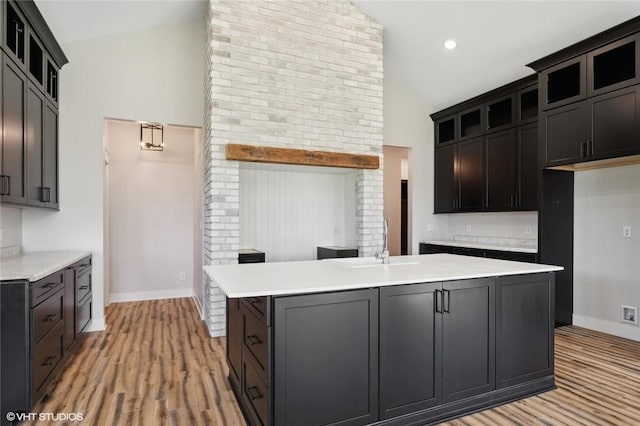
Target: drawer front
[46, 357]
[260, 307]
[83, 286]
[83, 314]
[83, 266]
[255, 394]
[255, 340]
[45, 287]
[47, 315]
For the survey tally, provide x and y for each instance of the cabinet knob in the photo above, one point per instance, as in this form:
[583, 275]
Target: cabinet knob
[50, 318]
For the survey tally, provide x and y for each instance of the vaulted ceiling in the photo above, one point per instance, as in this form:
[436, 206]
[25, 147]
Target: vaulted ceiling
[496, 39]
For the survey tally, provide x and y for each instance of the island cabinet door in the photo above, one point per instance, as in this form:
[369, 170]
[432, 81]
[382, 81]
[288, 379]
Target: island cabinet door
[410, 348]
[524, 329]
[468, 351]
[326, 359]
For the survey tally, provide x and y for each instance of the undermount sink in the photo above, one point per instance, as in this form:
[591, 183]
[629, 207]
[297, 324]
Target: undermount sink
[367, 262]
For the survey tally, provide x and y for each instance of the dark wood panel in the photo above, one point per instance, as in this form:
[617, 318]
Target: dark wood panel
[265, 154]
[410, 348]
[471, 174]
[529, 170]
[50, 156]
[13, 142]
[565, 134]
[501, 170]
[326, 360]
[34, 139]
[445, 180]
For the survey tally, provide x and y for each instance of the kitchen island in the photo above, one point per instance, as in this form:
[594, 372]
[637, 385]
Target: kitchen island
[355, 342]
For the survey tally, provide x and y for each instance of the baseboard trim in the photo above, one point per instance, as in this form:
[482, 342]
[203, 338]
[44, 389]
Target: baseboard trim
[150, 295]
[198, 306]
[620, 329]
[97, 324]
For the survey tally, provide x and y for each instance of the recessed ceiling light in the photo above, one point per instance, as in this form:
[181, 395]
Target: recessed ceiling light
[450, 44]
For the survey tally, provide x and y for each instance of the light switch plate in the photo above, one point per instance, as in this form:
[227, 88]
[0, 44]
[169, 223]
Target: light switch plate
[626, 231]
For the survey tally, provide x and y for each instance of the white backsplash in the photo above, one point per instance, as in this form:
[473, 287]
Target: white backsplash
[10, 231]
[494, 226]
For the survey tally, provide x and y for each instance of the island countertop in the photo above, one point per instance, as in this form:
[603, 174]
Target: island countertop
[32, 266]
[316, 276]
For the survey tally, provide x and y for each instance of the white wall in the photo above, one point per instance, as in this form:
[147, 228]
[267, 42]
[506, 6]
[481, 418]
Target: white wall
[605, 265]
[151, 214]
[288, 211]
[154, 75]
[10, 231]
[407, 124]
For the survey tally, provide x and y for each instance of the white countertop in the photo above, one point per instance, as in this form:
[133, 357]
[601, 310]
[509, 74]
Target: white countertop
[484, 245]
[315, 276]
[36, 265]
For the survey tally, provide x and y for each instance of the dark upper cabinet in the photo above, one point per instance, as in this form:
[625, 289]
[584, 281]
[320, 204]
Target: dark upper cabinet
[31, 59]
[42, 150]
[468, 336]
[446, 182]
[501, 113]
[601, 127]
[524, 328]
[528, 168]
[14, 34]
[446, 130]
[501, 170]
[565, 134]
[471, 174]
[34, 139]
[12, 152]
[478, 167]
[614, 124]
[410, 348]
[564, 83]
[614, 66]
[471, 123]
[527, 105]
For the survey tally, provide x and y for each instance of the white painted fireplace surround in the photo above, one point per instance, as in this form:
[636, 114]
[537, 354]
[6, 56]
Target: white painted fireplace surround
[293, 74]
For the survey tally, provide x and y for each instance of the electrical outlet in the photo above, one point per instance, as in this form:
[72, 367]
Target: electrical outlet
[630, 314]
[430, 227]
[527, 229]
[626, 231]
[183, 276]
[469, 229]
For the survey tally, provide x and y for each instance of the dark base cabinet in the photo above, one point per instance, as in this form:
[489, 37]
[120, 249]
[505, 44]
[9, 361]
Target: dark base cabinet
[397, 355]
[40, 323]
[515, 256]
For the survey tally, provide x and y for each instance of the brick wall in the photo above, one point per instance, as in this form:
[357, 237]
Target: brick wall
[288, 73]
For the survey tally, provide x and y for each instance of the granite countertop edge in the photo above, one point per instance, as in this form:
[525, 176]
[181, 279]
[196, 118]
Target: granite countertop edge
[33, 266]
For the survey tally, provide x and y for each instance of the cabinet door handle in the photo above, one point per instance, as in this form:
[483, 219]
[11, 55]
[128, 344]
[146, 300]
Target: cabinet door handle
[438, 301]
[445, 301]
[3, 185]
[254, 340]
[84, 287]
[6, 185]
[583, 149]
[45, 194]
[589, 148]
[511, 201]
[49, 361]
[50, 285]
[50, 318]
[252, 393]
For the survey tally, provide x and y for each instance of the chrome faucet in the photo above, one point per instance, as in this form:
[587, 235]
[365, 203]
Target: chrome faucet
[385, 248]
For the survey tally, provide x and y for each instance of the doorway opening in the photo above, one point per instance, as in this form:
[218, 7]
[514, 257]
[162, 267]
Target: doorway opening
[152, 214]
[397, 202]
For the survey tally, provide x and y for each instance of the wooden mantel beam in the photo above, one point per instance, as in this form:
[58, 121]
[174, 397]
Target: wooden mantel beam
[266, 154]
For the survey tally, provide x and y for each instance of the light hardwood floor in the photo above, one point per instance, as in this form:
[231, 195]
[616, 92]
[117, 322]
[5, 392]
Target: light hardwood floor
[156, 364]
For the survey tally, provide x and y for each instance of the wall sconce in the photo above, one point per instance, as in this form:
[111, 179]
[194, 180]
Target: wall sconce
[151, 136]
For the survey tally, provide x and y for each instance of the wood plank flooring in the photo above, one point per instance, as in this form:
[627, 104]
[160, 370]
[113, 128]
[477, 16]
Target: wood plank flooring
[157, 365]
